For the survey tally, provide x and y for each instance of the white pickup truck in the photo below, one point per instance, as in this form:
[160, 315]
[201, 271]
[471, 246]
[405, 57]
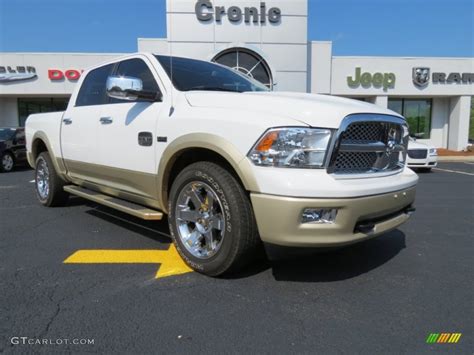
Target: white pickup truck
[231, 163]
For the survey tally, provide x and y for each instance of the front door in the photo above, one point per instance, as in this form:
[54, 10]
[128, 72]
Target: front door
[127, 136]
[79, 135]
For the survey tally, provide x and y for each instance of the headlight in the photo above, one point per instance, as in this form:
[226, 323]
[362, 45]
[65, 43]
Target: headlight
[433, 151]
[291, 148]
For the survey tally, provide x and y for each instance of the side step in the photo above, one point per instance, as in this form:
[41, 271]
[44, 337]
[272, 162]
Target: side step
[116, 203]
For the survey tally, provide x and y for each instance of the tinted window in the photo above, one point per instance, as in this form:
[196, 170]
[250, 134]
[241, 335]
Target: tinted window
[20, 137]
[396, 105]
[417, 113]
[6, 133]
[92, 91]
[137, 68]
[190, 74]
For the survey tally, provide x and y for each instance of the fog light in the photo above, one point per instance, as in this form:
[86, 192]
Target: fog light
[319, 215]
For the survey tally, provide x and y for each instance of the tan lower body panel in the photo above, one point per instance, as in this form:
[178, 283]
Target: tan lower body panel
[279, 218]
[130, 181]
[120, 205]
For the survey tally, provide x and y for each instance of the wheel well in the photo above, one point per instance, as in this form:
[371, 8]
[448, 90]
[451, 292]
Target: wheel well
[38, 147]
[189, 156]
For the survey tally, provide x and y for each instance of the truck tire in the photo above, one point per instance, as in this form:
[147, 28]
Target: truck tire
[211, 220]
[7, 162]
[49, 186]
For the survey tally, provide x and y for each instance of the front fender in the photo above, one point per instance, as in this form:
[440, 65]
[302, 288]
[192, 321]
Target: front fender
[217, 144]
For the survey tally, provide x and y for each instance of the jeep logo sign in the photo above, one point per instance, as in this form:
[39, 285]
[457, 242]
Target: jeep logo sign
[367, 80]
[205, 11]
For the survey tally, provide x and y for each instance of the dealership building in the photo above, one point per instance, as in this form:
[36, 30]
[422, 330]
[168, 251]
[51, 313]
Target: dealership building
[268, 41]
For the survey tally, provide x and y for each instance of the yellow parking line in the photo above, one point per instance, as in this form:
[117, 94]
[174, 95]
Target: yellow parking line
[114, 257]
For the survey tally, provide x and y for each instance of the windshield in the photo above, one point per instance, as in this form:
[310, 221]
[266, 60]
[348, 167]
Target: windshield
[191, 74]
[6, 133]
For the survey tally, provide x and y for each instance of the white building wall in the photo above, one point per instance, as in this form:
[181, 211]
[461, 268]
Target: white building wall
[284, 50]
[381, 100]
[42, 85]
[451, 102]
[344, 67]
[320, 67]
[439, 123]
[458, 126]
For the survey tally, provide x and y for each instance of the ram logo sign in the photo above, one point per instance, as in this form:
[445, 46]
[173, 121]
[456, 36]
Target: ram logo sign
[421, 76]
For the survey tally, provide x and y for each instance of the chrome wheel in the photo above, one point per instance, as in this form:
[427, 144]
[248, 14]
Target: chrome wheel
[200, 220]
[42, 179]
[7, 162]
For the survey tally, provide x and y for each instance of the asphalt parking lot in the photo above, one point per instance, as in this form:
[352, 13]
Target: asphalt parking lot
[385, 295]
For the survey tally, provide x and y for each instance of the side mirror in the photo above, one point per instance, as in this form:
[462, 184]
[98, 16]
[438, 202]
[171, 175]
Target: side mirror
[129, 89]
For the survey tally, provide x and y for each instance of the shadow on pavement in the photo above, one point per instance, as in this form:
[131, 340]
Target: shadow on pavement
[20, 169]
[339, 264]
[287, 264]
[155, 230]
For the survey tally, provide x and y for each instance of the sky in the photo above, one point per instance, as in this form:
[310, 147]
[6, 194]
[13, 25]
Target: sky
[442, 28]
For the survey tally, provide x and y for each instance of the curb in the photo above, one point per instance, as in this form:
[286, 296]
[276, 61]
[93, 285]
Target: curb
[468, 159]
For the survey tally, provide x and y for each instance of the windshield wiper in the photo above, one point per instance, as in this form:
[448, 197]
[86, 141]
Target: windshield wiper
[211, 88]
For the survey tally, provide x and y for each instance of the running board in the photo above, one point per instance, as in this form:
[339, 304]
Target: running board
[115, 203]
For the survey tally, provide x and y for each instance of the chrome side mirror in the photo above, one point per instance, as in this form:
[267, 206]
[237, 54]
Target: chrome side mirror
[124, 88]
[129, 89]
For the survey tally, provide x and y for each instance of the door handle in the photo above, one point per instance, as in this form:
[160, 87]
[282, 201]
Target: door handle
[106, 120]
[67, 121]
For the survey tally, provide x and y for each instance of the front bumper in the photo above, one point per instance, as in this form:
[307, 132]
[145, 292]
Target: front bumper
[429, 162]
[279, 218]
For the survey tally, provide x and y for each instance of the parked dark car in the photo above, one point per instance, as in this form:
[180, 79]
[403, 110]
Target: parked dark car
[12, 148]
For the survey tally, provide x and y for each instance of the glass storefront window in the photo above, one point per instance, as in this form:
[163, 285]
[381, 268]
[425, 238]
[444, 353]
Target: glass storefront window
[28, 106]
[248, 63]
[417, 113]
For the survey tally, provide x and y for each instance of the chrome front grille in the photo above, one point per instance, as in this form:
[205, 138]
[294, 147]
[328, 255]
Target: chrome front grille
[418, 153]
[363, 132]
[355, 162]
[369, 144]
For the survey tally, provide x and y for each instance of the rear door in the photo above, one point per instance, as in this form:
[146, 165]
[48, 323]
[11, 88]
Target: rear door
[127, 135]
[79, 128]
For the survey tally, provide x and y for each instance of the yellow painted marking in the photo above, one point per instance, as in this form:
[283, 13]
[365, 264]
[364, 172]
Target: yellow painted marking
[170, 262]
[455, 337]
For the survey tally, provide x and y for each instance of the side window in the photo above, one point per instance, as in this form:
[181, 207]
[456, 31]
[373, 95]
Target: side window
[20, 137]
[92, 91]
[137, 68]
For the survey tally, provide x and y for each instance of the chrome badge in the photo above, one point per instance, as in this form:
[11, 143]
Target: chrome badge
[421, 76]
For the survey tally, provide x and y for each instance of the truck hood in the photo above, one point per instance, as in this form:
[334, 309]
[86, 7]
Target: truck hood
[310, 109]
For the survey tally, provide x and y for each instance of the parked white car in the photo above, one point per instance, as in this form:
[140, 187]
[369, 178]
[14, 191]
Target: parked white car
[231, 163]
[421, 156]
